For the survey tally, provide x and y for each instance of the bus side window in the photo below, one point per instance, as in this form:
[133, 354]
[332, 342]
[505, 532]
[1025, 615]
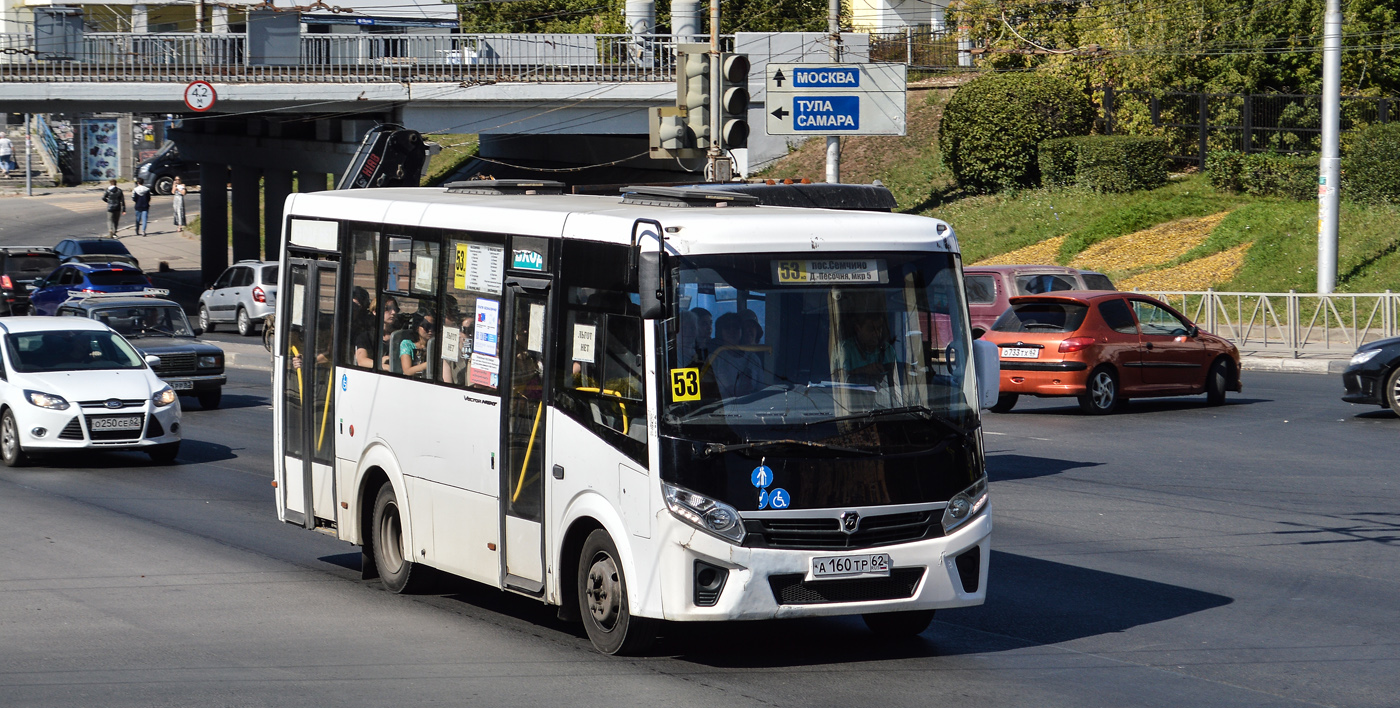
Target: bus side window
[601, 367]
[360, 346]
[468, 295]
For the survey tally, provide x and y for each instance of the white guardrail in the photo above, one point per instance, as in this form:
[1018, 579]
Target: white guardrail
[1301, 323]
[180, 57]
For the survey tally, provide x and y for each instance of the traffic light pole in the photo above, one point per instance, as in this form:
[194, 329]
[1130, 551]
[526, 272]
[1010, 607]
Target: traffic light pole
[1330, 163]
[833, 142]
[720, 170]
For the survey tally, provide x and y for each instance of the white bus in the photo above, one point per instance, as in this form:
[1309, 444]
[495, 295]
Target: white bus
[666, 405]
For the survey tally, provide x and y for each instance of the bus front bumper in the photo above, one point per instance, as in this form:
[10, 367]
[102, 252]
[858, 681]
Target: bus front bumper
[765, 583]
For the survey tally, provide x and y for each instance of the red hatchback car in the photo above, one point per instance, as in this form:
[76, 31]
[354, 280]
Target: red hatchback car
[1106, 347]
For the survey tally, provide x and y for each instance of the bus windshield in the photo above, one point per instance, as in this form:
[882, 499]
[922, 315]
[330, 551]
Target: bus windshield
[763, 345]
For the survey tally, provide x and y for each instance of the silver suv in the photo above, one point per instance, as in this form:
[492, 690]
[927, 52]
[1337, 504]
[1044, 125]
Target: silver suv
[244, 294]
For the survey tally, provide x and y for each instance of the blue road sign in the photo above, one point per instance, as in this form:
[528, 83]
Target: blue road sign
[762, 498]
[778, 499]
[762, 476]
[825, 77]
[826, 114]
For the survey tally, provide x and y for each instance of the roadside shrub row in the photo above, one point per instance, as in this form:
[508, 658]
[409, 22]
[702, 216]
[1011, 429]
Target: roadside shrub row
[1104, 163]
[1370, 172]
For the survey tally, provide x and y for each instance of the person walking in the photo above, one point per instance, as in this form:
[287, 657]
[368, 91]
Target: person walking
[141, 202]
[7, 156]
[178, 190]
[116, 206]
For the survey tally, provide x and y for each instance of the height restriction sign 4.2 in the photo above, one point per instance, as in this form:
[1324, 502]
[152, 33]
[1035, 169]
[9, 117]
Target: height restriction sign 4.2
[199, 96]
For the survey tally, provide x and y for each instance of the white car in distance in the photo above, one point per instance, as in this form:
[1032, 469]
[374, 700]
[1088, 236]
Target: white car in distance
[72, 384]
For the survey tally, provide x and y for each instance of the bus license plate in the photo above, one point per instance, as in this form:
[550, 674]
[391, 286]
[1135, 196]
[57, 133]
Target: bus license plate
[182, 385]
[116, 422]
[1020, 352]
[869, 565]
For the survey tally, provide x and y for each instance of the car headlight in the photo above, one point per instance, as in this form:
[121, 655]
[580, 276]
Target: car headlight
[965, 506]
[1360, 358]
[164, 397]
[209, 362]
[47, 400]
[704, 513]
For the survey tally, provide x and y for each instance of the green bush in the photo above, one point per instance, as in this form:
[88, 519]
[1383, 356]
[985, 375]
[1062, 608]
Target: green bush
[1224, 168]
[1272, 175]
[1057, 160]
[1373, 165]
[1121, 163]
[992, 126]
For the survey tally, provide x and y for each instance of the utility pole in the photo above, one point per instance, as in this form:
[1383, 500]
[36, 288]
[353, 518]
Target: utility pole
[833, 142]
[1330, 165]
[28, 156]
[720, 168]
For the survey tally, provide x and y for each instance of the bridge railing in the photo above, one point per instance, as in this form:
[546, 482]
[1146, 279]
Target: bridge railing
[179, 57]
[1300, 323]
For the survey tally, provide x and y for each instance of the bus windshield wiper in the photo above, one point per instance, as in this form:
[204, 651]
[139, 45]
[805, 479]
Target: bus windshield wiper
[921, 411]
[717, 448]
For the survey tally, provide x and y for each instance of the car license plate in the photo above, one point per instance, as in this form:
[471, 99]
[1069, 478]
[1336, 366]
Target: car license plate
[116, 422]
[182, 385]
[868, 565]
[1020, 353]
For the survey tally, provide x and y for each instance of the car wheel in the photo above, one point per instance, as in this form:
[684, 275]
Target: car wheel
[164, 185]
[11, 450]
[164, 454]
[209, 400]
[1392, 391]
[391, 557]
[206, 323]
[1102, 396]
[245, 323]
[899, 625]
[1217, 382]
[602, 599]
[1005, 402]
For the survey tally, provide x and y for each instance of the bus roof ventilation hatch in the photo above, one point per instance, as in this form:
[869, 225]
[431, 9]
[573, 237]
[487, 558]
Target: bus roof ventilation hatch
[505, 186]
[684, 197]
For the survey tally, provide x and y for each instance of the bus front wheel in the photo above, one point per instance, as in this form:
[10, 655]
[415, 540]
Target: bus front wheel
[602, 598]
[395, 568]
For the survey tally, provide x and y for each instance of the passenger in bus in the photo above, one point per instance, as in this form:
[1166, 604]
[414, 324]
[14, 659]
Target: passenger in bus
[413, 350]
[736, 369]
[867, 354]
[704, 336]
[687, 339]
[361, 328]
[753, 331]
[388, 317]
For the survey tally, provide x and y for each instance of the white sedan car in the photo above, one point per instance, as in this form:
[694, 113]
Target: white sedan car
[71, 383]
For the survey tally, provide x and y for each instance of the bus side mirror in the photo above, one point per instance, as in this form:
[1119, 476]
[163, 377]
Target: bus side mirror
[987, 360]
[649, 288]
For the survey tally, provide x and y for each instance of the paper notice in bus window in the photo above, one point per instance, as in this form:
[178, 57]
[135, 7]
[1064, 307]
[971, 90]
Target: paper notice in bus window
[451, 345]
[536, 339]
[485, 266]
[485, 371]
[298, 303]
[486, 334]
[836, 270]
[423, 273]
[584, 349]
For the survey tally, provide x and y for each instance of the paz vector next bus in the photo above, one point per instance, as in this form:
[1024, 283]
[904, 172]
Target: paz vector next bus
[671, 404]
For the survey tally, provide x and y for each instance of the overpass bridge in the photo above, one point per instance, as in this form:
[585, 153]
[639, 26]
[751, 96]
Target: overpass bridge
[302, 105]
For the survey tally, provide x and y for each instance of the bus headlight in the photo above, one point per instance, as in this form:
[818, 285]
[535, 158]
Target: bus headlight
[965, 506]
[704, 513]
[164, 397]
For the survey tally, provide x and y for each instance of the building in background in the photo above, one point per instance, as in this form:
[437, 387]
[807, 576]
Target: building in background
[881, 16]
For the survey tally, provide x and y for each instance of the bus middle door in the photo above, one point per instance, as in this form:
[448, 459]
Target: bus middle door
[524, 353]
[306, 320]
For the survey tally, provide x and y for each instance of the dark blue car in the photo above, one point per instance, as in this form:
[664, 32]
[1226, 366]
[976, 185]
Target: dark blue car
[76, 278]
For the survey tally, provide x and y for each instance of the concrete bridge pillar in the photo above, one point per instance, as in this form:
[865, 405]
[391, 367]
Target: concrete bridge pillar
[308, 181]
[246, 190]
[213, 219]
[277, 185]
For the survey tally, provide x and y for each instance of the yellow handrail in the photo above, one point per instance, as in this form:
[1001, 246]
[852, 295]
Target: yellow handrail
[529, 448]
[609, 392]
[326, 409]
[300, 396]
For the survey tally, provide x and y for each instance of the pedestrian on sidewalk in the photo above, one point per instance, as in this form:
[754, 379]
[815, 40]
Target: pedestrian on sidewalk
[178, 189]
[141, 202]
[7, 156]
[116, 206]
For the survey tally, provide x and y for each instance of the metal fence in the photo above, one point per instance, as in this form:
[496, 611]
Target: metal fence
[922, 48]
[1196, 123]
[351, 58]
[1300, 323]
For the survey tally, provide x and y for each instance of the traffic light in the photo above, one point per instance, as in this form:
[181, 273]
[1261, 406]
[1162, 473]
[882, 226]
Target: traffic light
[693, 95]
[669, 136]
[734, 100]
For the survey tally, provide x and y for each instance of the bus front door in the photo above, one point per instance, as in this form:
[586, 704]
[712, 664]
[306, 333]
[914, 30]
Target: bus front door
[306, 319]
[523, 358]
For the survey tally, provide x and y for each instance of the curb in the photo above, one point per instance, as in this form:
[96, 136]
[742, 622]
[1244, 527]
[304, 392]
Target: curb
[248, 360]
[1293, 366]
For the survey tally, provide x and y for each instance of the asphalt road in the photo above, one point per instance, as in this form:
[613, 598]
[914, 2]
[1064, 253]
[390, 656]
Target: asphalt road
[1174, 555]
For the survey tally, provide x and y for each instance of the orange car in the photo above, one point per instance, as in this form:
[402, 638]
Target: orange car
[1105, 347]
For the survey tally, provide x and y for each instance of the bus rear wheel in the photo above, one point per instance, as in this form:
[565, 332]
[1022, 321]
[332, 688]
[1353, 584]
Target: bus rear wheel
[899, 625]
[395, 568]
[602, 599]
